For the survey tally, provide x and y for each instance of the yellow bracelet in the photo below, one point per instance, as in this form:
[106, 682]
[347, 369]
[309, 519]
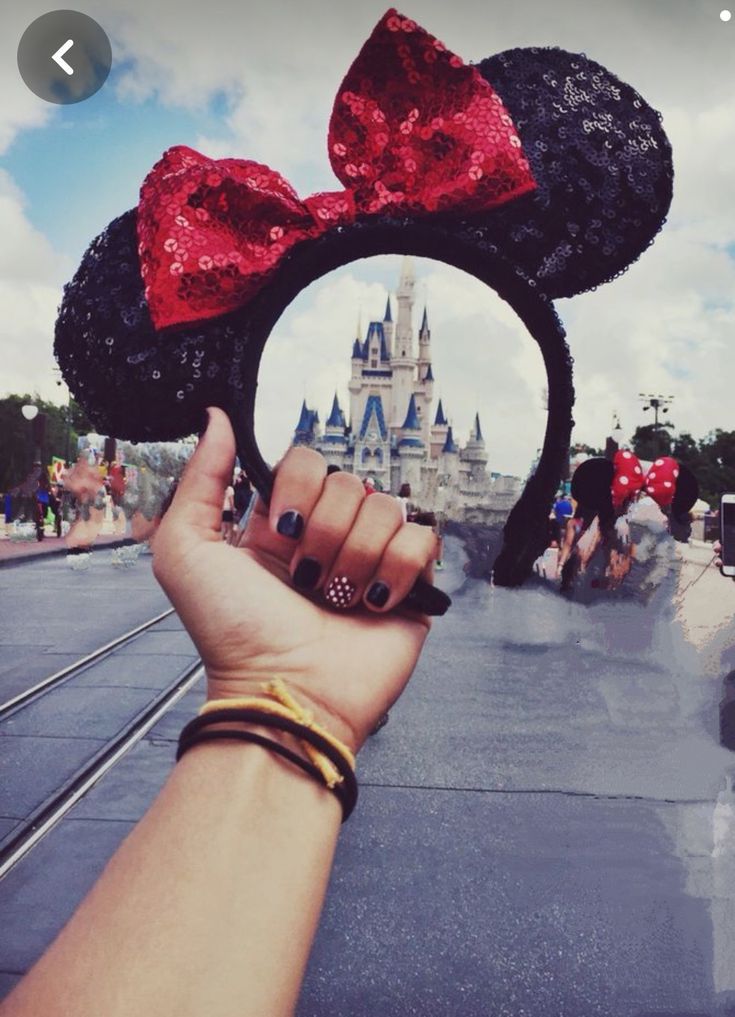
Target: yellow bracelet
[282, 704]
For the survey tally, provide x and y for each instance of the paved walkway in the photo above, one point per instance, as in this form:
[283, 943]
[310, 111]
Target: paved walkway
[545, 826]
[27, 550]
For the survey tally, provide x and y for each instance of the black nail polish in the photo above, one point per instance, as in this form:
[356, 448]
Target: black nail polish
[306, 574]
[378, 594]
[291, 524]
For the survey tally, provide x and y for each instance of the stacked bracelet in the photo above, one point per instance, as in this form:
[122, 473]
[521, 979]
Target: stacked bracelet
[330, 762]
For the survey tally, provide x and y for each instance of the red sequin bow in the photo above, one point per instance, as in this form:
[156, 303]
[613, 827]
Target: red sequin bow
[659, 482]
[414, 131]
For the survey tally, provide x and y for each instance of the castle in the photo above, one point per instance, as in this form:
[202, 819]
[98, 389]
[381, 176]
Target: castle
[391, 436]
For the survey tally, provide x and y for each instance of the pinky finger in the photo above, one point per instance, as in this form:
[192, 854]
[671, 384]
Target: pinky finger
[408, 556]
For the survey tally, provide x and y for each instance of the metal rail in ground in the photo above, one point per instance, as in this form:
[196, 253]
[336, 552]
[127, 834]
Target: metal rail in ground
[33, 829]
[55, 679]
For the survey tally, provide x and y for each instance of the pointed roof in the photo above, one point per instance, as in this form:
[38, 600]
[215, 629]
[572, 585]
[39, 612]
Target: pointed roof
[336, 417]
[376, 329]
[440, 420]
[387, 316]
[356, 350]
[425, 321]
[449, 445]
[478, 432]
[374, 408]
[304, 418]
[429, 376]
[412, 422]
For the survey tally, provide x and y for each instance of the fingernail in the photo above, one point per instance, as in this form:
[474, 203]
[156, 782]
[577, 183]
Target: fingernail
[291, 524]
[306, 574]
[340, 591]
[378, 594]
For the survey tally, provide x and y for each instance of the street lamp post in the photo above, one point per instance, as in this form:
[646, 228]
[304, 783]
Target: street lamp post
[656, 403]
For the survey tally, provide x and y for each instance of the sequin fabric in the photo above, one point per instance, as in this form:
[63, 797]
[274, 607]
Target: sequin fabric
[132, 381]
[212, 231]
[601, 161]
[416, 128]
[414, 131]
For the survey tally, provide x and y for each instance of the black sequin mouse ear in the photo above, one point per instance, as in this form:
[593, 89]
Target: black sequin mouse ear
[591, 487]
[136, 382]
[687, 492]
[601, 161]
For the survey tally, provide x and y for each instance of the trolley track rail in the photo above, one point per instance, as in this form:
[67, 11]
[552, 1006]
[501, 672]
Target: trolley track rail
[71, 669]
[47, 815]
[51, 805]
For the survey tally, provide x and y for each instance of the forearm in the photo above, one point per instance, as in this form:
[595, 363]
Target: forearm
[209, 907]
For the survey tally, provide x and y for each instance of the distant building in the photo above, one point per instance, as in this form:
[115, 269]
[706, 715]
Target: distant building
[392, 434]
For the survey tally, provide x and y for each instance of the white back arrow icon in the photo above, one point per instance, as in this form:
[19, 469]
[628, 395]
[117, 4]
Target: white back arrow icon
[58, 56]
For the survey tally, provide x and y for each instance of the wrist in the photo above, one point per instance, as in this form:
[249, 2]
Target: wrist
[232, 688]
[256, 777]
[301, 740]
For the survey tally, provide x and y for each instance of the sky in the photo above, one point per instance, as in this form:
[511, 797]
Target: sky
[258, 81]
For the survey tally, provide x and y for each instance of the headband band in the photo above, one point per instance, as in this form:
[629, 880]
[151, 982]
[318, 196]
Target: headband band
[537, 171]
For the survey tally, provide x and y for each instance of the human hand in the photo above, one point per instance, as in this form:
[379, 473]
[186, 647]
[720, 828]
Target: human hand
[717, 548]
[249, 623]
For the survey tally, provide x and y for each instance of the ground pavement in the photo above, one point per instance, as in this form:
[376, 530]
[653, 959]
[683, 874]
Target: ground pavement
[544, 826]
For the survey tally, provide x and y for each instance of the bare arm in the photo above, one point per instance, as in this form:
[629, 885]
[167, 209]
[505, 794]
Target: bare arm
[210, 906]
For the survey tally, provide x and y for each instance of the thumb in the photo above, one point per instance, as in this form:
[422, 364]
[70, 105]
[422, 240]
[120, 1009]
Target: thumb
[197, 504]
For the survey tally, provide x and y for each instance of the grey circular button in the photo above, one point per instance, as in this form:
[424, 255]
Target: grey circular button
[64, 57]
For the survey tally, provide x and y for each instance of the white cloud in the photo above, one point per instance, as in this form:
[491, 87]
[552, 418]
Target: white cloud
[665, 326]
[20, 108]
[483, 360]
[31, 277]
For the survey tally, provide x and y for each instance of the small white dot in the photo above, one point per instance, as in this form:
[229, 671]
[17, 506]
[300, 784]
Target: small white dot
[725, 15]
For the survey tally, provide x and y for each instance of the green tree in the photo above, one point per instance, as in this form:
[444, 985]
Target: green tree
[715, 469]
[650, 442]
[18, 445]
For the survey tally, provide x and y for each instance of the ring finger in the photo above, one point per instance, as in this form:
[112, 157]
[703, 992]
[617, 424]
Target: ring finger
[378, 521]
[326, 530]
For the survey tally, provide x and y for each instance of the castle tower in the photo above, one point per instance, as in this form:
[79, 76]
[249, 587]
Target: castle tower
[307, 428]
[474, 480]
[334, 443]
[403, 361]
[411, 449]
[388, 327]
[439, 431]
[449, 461]
[425, 386]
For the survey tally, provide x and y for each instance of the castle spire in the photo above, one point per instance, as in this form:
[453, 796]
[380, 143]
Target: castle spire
[440, 420]
[478, 432]
[336, 417]
[387, 316]
[412, 422]
[449, 445]
[424, 321]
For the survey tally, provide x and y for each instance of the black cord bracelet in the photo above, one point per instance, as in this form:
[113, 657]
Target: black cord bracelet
[195, 731]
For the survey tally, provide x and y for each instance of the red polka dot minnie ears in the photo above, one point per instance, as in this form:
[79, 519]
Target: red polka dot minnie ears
[606, 487]
[536, 170]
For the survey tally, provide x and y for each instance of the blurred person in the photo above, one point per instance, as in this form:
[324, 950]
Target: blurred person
[243, 493]
[563, 510]
[228, 513]
[404, 499]
[230, 866]
[54, 500]
[41, 506]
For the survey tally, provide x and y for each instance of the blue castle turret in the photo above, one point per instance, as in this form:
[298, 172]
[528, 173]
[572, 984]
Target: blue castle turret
[449, 444]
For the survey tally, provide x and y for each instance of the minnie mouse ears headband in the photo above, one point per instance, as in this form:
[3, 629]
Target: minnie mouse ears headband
[537, 171]
[604, 486]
